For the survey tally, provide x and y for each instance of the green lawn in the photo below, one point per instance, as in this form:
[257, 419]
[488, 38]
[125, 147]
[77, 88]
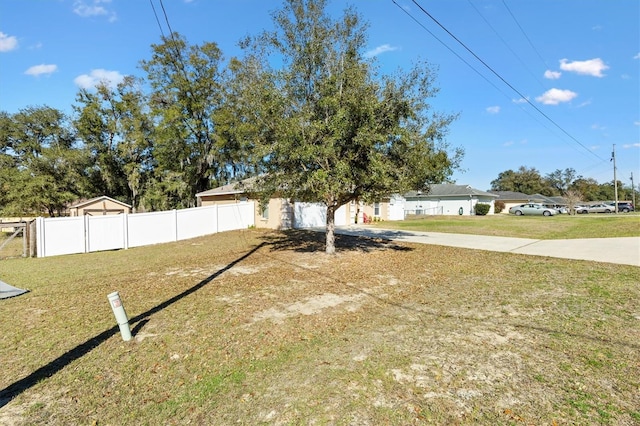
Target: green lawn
[255, 327]
[538, 227]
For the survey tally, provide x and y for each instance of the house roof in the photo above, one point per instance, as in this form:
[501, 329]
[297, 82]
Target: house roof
[539, 198]
[510, 195]
[449, 190]
[559, 200]
[230, 188]
[84, 203]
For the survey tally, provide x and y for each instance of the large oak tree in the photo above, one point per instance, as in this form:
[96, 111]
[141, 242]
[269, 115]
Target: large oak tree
[330, 129]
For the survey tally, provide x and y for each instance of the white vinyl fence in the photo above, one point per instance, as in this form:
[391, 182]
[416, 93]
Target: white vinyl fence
[84, 234]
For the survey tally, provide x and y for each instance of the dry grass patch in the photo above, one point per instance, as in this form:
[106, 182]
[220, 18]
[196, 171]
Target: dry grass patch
[262, 328]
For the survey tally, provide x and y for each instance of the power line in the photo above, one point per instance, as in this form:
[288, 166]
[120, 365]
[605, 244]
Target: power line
[525, 35]
[157, 20]
[469, 65]
[506, 44]
[166, 18]
[498, 76]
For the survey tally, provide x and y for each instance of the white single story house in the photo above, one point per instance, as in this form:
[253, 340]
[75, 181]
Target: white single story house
[447, 199]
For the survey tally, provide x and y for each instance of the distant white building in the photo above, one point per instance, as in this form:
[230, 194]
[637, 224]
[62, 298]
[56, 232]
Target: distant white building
[447, 199]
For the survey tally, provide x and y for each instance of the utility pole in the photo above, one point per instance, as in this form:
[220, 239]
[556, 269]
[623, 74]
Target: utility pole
[615, 179]
[633, 192]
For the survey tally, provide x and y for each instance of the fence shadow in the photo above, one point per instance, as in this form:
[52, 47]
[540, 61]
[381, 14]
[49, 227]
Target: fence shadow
[53, 367]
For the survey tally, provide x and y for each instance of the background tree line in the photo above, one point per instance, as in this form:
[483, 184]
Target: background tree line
[153, 143]
[567, 182]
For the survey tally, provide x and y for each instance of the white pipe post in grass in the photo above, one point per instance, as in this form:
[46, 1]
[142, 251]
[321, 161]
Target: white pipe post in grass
[120, 314]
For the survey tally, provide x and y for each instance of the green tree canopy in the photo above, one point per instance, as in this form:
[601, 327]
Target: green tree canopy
[188, 102]
[560, 180]
[526, 180]
[117, 132]
[42, 169]
[329, 129]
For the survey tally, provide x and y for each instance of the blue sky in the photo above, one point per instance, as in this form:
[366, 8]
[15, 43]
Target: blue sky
[548, 84]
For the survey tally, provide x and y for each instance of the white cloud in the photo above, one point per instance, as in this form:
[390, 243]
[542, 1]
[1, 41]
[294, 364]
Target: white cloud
[552, 75]
[592, 67]
[38, 70]
[637, 56]
[556, 96]
[7, 42]
[90, 8]
[97, 76]
[508, 143]
[379, 50]
[520, 101]
[631, 145]
[493, 109]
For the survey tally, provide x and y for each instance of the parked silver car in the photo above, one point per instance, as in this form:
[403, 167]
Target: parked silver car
[532, 209]
[596, 208]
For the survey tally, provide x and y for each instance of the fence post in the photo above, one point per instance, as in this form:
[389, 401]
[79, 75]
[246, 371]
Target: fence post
[32, 239]
[86, 232]
[40, 237]
[217, 218]
[175, 225]
[125, 229]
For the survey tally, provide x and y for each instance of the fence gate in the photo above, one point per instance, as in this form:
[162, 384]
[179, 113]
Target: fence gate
[16, 239]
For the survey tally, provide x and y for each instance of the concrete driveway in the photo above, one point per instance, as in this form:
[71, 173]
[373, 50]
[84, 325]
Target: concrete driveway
[624, 251]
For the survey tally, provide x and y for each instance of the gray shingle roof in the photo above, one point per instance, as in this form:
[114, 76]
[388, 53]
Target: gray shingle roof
[449, 190]
[230, 188]
[510, 195]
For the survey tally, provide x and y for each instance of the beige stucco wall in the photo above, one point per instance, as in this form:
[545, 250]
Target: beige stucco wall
[220, 199]
[280, 214]
[509, 204]
[369, 210]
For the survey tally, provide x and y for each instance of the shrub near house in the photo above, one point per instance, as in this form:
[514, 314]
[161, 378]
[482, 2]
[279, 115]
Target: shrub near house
[482, 209]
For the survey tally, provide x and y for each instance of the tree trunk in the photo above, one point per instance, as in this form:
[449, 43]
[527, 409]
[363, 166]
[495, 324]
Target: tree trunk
[331, 225]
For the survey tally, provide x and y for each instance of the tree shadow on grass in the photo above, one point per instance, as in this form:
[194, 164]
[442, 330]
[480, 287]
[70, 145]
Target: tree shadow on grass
[309, 241]
[53, 367]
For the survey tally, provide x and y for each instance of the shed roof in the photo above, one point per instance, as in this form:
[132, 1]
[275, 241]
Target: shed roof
[84, 203]
[449, 190]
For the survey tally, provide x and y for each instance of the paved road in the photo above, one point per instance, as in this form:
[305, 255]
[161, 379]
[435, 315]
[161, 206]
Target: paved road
[624, 251]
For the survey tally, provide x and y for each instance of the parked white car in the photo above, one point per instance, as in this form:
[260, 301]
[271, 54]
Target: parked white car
[532, 209]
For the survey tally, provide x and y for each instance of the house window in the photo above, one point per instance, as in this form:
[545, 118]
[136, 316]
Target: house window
[265, 212]
[376, 209]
